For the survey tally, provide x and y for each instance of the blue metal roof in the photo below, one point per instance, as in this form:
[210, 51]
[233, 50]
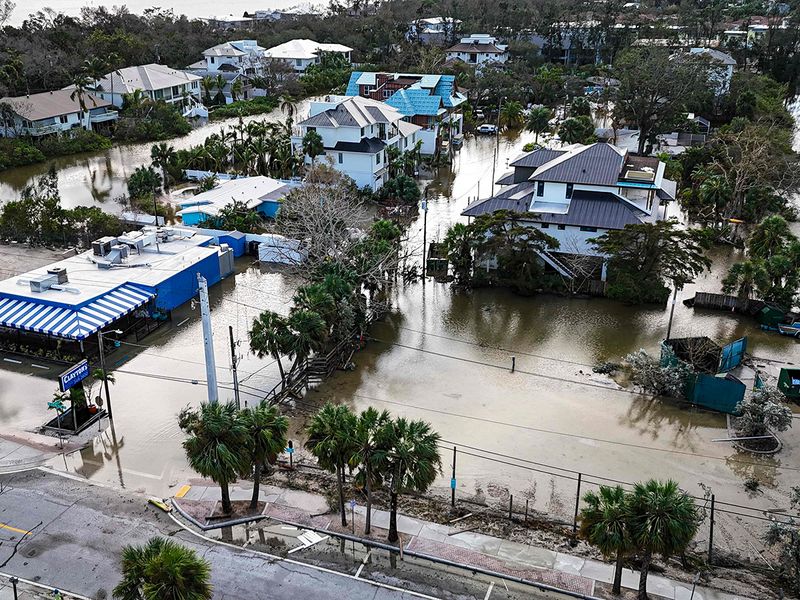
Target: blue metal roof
[72, 323]
[352, 85]
[440, 87]
[413, 101]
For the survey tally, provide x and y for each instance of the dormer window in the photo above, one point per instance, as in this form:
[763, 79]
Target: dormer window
[540, 188]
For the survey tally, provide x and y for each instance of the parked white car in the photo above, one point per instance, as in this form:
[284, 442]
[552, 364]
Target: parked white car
[487, 129]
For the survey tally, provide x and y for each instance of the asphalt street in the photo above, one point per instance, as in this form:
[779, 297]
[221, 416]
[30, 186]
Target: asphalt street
[78, 530]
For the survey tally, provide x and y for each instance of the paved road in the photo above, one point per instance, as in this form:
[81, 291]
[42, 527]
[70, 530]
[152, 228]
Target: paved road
[78, 531]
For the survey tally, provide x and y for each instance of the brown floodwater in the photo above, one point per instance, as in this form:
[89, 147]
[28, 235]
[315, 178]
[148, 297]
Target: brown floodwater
[443, 356]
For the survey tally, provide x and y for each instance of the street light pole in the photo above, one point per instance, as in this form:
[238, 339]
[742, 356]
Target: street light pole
[672, 309]
[424, 232]
[103, 369]
[14, 581]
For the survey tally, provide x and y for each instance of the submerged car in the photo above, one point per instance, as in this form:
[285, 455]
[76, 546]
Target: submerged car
[487, 129]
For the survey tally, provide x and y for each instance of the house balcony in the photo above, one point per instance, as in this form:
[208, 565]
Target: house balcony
[39, 130]
[103, 117]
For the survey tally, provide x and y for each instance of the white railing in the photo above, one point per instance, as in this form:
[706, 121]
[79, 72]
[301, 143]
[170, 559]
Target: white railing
[109, 115]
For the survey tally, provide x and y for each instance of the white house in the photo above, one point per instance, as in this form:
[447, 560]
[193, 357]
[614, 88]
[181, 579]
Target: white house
[723, 66]
[52, 112]
[433, 30]
[478, 49]
[581, 192]
[157, 82]
[301, 54]
[240, 56]
[356, 133]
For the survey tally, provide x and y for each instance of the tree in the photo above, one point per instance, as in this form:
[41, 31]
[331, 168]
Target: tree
[217, 443]
[764, 410]
[786, 536]
[163, 570]
[539, 121]
[604, 524]
[270, 336]
[80, 87]
[207, 84]
[266, 437]
[645, 258]
[331, 441]
[667, 379]
[511, 115]
[655, 89]
[580, 107]
[312, 145]
[162, 156]
[237, 87]
[409, 460]
[401, 188]
[236, 216]
[144, 182]
[458, 245]
[309, 333]
[367, 435]
[663, 520]
[577, 130]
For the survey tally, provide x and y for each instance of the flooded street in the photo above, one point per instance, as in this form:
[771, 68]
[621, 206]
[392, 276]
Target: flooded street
[443, 356]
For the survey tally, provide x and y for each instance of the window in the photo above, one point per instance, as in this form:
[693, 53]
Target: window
[545, 225]
[63, 118]
[387, 93]
[211, 60]
[562, 227]
[569, 191]
[175, 90]
[589, 229]
[310, 129]
[540, 188]
[158, 94]
[362, 132]
[298, 62]
[341, 158]
[378, 159]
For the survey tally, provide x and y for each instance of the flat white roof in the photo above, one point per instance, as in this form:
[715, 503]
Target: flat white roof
[88, 281]
[252, 191]
[303, 49]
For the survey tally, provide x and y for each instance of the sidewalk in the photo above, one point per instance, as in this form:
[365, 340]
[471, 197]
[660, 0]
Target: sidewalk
[516, 559]
[28, 592]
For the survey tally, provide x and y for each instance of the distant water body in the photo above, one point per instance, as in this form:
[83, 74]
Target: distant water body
[190, 8]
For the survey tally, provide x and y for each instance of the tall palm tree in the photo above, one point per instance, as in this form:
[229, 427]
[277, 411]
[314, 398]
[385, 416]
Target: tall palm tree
[287, 105]
[220, 84]
[163, 570]
[80, 89]
[366, 451]
[217, 443]
[207, 84]
[604, 524]
[663, 520]
[266, 432]
[162, 154]
[312, 145]
[315, 298]
[769, 237]
[409, 460]
[331, 441]
[96, 68]
[262, 150]
[511, 115]
[237, 87]
[309, 333]
[270, 335]
[539, 121]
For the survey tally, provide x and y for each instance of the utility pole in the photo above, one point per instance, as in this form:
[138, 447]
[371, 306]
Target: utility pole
[424, 232]
[103, 368]
[233, 368]
[208, 340]
[453, 481]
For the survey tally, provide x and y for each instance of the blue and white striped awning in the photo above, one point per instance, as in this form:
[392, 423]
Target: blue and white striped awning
[70, 323]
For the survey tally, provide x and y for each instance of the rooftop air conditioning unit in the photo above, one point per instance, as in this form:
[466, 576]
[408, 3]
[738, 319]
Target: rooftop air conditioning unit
[102, 246]
[60, 273]
[42, 283]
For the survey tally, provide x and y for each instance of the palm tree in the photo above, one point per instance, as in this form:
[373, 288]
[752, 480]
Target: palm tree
[316, 298]
[96, 68]
[745, 278]
[366, 436]
[312, 145]
[270, 335]
[80, 85]
[103, 377]
[577, 130]
[309, 333]
[408, 457]
[236, 89]
[539, 121]
[663, 520]
[207, 83]
[769, 237]
[220, 84]
[162, 155]
[331, 441]
[287, 106]
[163, 570]
[604, 523]
[511, 115]
[216, 444]
[266, 432]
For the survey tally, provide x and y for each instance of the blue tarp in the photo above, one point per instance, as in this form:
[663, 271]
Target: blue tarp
[71, 322]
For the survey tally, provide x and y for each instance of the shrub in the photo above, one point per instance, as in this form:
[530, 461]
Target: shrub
[18, 153]
[648, 373]
[72, 142]
[765, 409]
[244, 108]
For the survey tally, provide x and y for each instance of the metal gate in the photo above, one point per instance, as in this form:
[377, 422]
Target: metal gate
[732, 355]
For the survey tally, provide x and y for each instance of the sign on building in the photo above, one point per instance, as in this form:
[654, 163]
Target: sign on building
[74, 375]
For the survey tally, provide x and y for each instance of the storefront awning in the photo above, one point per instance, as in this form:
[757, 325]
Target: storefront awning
[69, 323]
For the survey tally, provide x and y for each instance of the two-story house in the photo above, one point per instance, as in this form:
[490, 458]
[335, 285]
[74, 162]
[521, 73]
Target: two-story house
[478, 49]
[356, 134]
[722, 68]
[431, 101]
[52, 112]
[580, 192]
[241, 56]
[301, 54]
[157, 82]
[433, 30]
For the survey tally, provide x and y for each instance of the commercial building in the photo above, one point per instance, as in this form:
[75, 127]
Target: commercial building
[260, 194]
[123, 283]
[53, 112]
[431, 101]
[356, 133]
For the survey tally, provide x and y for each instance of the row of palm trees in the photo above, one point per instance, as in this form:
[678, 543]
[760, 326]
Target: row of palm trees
[397, 454]
[219, 82]
[654, 518]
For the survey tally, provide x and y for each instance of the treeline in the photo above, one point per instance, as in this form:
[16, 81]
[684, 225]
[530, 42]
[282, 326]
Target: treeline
[38, 218]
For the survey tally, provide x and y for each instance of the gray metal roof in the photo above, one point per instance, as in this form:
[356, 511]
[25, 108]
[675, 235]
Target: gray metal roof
[517, 199]
[354, 112]
[596, 164]
[536, 158]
